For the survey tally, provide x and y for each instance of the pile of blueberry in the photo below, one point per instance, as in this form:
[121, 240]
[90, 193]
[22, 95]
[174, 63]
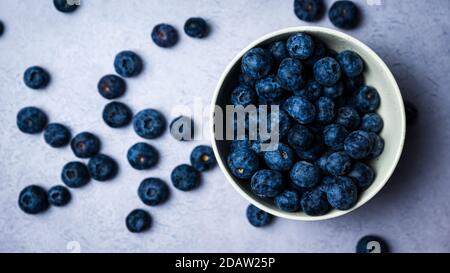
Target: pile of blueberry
[328, 127]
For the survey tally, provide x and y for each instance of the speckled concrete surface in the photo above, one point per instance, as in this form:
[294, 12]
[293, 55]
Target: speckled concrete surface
[412, 212]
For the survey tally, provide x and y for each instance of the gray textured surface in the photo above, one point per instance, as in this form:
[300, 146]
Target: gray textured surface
[412, 212]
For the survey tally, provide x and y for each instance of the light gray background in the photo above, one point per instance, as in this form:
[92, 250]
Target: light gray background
[412, 212]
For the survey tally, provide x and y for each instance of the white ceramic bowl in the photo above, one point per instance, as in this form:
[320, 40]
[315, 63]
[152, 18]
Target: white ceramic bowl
[376, 73]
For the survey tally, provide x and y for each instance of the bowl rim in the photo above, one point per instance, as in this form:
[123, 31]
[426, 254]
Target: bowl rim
[311, 29]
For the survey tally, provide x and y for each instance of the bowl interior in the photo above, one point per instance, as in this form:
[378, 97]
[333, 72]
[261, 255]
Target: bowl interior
[376, 74]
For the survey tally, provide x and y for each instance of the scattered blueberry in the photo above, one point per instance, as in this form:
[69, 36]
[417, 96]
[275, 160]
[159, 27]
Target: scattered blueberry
[358, 144]
[153, 191]
[138, 221]
[196, 27]
[202, 158]
[288, 201]
[149, 123]
[348, 117]
[371, 244]
[351, 63]
[182, 128]
[142, 156]
[102, 167]
[185, 177]
[57, 135]
[300, 109]
[305, 174]
[75, 174]
[258, 217]
[325, 110]
[280, 159]
[300, 46]
[411, 112]
[314, 203]
[256, 63]
[36, 77]
[311, 91]
[2, 28]
[243, 163]
[372, 122]
[344, 14]
[300, 137]
[111, 87]
[33, 200]
[279, 50]
[362, 175]
[338, 163]
[31, 120]
[367, 99]
[85, 145]
[128, 64]
[343, 194]
[117, 114]
[334, 136]
[308, 10]
[58, 196]
[164, 35]
[327, 71]
[290, 74]
[64, 6]
[269, 89]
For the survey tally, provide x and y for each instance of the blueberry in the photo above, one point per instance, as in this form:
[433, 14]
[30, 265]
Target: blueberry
[64, 6]
[305, 174]
[334, 91]
[283, 120]
[149, 123]
[300, 109]
[348, 117]
[410, 111]
[279, 50]
[338, 163]
[245, 79]
[301, 46]
[31, 120]
[33, 200]
[102, 167]
[128, 64]
[256, 63]
[313, 153]
[320, 52]
[343, 194]
[322, 161]
[358, 144]
[300, 137]
[75, 175]
[243, 95]
[327, 71]
[281, 159]
[314, 203]
[2, 28]
[185, 177]
[36, 77]
[363, 175]
[290, 74]
[258, 217]
[182, 128]
[353, 84]
[367, 99]
[267, 183]
[57, 135]
[239, 144]
[138, 221]
[308, 10]
[311, 91]
[243, 163]
[202, 158]
[196, 27]
[117, 114]
[334, 136]
[111, 87]
[165, 35]
[85, 145]
[288, 201]
[372, 122]
[269, 89]
[351, 63]
[58, 196]
[142, 156]
[371, 244]
[378, 145]
[325, 110]
[153, 191]
[344, 14]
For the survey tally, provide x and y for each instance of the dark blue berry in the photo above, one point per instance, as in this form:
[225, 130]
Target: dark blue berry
[117, 114]
[280, 159]
[378, 145]
[142, 156]
[75, 175]
[243, 163]
[111, 87]
[138, 221]
[65, 6]
[31, 120]
[343, 194]
[182, 128]
[334, 91]
[372, 122]
[149, 123]
[33, 200]
[300, 109]
[243, 95]
[247, 80]
[314, 203]
[288, 201]
[203, 158]
[327, 71]
[283, 120]
[258, 217]
[267, 183]
[185, 177]
[102, 167]
[290, 74]
[308, 10]
[240, 143]
[305, 174]
[85, 145]
[353, 84]
[128, 64]
[311, 91]
[196, 27]
[367, 99]
[334, 136]
[269, 89]
[371, 244]
[344, 14]
[300, 137]
[153, 191]
[325, 110]
[58, 196]
[36, 77]
[279, 50]
[358, 144]
[2, 28]
[165, 35]
[322, 161]
[362, 174]
[338, 163]
[348, 117]
[301, 46]
[57, 135]
[256, 63]
[351, 63]
[411, 112]
[313, 153]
